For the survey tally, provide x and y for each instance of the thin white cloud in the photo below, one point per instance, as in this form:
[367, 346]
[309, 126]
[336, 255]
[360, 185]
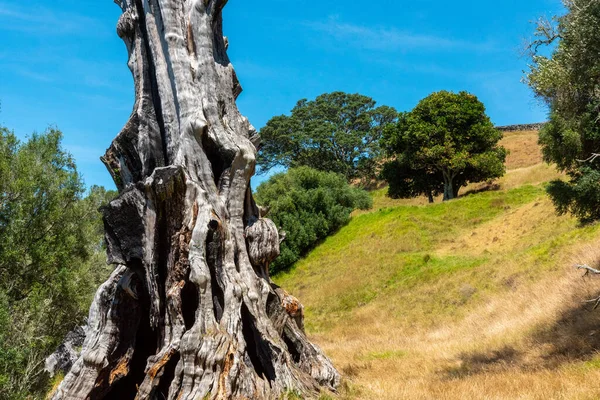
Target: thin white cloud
[388, 39]
[50, 64]
[32, 75]
[36, 19]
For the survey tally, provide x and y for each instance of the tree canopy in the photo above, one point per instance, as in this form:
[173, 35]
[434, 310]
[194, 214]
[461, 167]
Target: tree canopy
[336, 132]
[445, 142]
[51, 257]
[568, 81]
[308, 205]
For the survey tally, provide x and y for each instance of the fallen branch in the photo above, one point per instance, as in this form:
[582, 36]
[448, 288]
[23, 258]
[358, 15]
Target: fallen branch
[594, 271]
[588, 270]
[596, 302]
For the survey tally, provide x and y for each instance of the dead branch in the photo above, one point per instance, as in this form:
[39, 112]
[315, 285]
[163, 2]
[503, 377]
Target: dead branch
[588, 269]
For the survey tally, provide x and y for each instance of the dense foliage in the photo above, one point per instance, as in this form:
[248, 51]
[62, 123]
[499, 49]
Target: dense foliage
[336, 132]
[446, 142]
[569, 82]
[308, 205]
[50, 256]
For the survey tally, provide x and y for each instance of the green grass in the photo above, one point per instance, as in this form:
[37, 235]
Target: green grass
[422, 226]
[383, 355]
[393, 249]
[594, 363]
[412, 260]
[418, 269]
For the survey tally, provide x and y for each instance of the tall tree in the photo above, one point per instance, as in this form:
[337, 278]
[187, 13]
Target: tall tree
[336, 132]
[446, 142]
[190, 311]
[49, 242]
[568, 81]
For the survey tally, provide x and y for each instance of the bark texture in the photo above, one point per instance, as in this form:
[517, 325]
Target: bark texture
[190, 311]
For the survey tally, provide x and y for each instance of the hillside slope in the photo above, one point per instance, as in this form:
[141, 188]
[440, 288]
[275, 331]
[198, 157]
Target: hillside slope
[471, 299]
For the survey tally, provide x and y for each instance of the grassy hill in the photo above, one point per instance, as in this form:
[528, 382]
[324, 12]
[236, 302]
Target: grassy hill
[471, 299]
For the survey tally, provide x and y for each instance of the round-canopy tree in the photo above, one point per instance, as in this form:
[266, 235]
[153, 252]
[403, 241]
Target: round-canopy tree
[336, 132]
[190, 311]
[446, 142]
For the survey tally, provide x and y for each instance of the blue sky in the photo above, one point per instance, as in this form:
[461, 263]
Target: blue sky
[62, 64]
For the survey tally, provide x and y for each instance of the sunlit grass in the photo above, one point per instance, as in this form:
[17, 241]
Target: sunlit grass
[470, 299]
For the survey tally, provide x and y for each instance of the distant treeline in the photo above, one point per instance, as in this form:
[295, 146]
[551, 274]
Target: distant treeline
[522, 127]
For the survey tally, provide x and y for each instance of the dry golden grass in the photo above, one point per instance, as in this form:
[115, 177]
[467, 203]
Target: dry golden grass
[533, 342]
[518, 228]
[473, 299]
[523, 149]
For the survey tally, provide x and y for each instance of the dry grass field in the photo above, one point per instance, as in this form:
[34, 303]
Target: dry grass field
[523, 149]
[477, 298]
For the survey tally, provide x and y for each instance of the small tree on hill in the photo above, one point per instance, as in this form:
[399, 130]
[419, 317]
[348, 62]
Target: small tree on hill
[446, 142]
[405, 180]
[336, 132]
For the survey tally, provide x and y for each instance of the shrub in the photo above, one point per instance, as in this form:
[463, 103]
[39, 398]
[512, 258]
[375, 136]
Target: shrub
[308, 205]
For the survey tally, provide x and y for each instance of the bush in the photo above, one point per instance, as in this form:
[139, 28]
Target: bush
[308, 205]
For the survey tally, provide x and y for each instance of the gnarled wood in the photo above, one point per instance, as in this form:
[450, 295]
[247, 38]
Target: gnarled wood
[190, 311]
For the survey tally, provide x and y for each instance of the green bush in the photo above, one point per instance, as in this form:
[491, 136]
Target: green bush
[308, 205]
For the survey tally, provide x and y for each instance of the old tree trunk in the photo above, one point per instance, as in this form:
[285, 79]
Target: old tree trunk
[190, 311]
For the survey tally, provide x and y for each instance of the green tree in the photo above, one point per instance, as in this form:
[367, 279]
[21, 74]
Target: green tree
[405, 180]
[50, 241]
[568, 81]
[336, 132]
[308, 205]
[443, 144]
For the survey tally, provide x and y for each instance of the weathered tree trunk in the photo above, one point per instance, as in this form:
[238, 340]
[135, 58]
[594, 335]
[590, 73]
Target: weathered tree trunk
[190, 311]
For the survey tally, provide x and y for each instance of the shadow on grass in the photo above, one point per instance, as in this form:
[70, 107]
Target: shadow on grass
[485, 187]
[474, 363]
[574, 337]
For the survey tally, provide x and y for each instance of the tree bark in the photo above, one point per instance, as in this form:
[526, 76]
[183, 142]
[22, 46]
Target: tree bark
[448, 191]
[430, 197]
[190, 311]
[451, 187]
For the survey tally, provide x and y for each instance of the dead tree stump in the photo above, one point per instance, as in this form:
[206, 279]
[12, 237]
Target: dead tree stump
[190, 311]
